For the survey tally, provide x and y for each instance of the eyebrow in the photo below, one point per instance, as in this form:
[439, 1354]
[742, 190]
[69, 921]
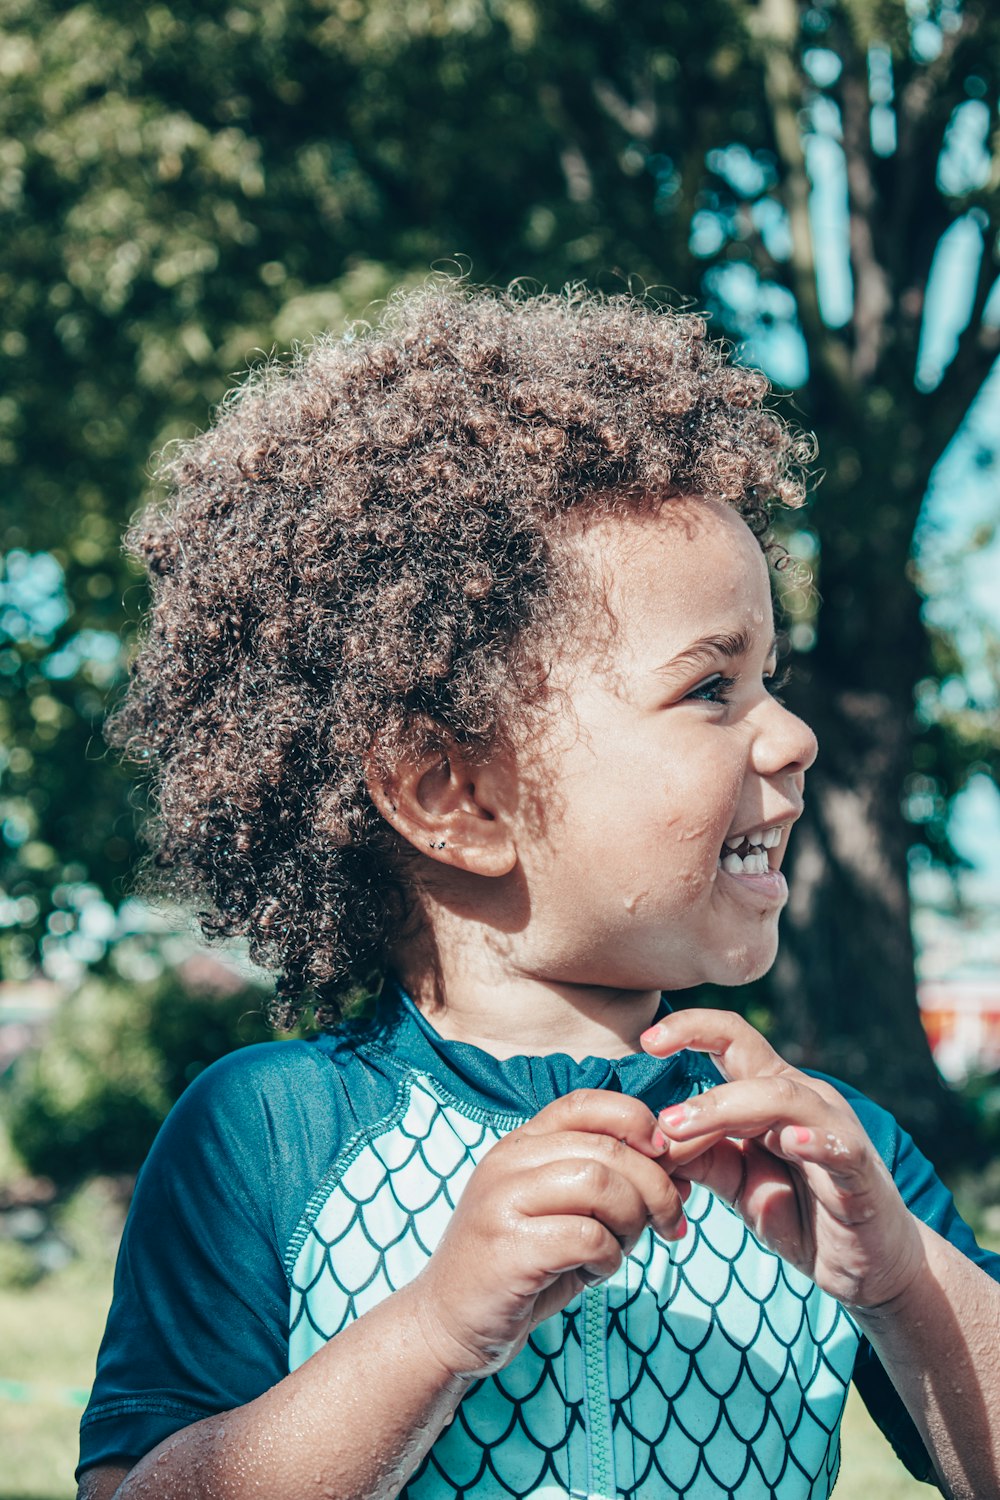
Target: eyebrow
[710, 647]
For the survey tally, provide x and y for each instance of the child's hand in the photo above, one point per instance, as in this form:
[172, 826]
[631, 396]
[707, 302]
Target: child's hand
[552, 1208]
[788, 1153]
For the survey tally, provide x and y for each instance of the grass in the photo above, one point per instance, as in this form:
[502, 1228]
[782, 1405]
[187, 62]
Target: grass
[869, 1467]
[50, 1336]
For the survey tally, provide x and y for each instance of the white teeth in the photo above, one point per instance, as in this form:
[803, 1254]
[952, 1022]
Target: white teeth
[755, 861]
[750, 864]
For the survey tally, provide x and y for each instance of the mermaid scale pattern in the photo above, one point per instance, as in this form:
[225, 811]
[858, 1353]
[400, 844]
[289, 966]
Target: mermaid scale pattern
[703, 1370]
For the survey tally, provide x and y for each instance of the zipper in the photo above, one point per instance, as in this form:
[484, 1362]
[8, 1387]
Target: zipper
[597, 1397]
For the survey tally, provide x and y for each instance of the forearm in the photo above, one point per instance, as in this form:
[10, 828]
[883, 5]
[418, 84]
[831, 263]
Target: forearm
[354, 1421]
[940, 1343]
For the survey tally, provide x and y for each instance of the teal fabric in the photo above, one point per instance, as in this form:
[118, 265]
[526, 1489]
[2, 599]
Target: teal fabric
[297, 1184]
[723, 1371]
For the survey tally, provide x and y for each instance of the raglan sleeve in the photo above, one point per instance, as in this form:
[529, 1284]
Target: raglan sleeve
[199, 1317]
[926, 1196]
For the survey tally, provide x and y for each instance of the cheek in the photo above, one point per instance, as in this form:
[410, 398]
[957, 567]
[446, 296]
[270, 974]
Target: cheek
[698, 797]
[692, 882]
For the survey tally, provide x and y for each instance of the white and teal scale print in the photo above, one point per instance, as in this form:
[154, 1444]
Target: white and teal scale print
[703, 1370]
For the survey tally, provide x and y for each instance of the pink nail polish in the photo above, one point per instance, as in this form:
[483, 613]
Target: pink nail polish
[802, 1135]
[674, 1116]
[650, 1036]
[659, 1141]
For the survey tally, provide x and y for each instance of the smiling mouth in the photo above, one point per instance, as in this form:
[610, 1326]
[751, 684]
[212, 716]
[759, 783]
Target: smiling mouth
[748, 854]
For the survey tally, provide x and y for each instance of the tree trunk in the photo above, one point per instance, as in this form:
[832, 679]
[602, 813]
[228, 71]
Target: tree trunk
[843, 990]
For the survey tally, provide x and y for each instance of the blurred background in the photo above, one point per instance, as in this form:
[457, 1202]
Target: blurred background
[187, 190]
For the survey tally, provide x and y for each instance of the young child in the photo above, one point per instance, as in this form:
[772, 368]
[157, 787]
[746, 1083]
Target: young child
[459, 686]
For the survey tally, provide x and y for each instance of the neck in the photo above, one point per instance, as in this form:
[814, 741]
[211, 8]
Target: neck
[476, 995]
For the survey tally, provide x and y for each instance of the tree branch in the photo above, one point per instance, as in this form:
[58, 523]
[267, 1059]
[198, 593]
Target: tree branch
[776, 28]
[577, 175]
[923, 109]
[872, 296]
[977, 352]
[638, 120]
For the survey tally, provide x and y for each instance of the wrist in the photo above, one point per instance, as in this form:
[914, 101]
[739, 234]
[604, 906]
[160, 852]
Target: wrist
[456, 1363]
[901, 1283]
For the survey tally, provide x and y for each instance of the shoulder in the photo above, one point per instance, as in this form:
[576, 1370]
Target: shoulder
[276, 1086]
[257, 1095]
[264, 1124]
[236, 1084]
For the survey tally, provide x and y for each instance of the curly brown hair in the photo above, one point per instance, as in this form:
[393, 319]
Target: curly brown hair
[356, 552]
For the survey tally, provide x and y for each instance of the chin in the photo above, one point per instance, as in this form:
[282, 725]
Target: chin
[744, 964]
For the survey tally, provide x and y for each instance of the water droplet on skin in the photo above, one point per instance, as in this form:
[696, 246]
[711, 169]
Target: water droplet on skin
[631, 902]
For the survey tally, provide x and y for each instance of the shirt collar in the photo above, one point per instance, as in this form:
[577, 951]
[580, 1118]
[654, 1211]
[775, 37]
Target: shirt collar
[522, 1085]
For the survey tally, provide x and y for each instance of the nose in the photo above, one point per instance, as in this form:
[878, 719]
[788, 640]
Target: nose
[783, 741]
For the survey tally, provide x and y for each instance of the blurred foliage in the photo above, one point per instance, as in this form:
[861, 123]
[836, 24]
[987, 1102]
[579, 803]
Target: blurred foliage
[115, 1059]
[179, 188]
[180, 185]
[18, 1267]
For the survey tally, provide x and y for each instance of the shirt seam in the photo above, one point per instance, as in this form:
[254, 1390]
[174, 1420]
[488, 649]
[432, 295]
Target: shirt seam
[364, 1137]
[503, 1119]
[130, 1405]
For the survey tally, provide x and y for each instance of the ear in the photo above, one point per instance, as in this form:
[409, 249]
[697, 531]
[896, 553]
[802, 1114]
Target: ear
[451, 809]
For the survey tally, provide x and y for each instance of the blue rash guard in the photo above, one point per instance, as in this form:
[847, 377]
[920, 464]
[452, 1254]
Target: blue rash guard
[297, 1184]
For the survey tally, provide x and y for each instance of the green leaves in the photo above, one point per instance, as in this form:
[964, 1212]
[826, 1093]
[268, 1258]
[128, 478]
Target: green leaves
[184, 190]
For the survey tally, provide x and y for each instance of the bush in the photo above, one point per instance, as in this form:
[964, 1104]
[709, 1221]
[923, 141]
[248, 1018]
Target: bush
[92, 1097]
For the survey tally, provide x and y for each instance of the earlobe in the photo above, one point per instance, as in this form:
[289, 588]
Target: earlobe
[449, 809]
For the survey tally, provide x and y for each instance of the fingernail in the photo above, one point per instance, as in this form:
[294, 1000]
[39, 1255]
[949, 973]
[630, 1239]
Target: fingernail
[680, 1228]
[802, 1135]
[651, 1035]
[674, 1116]
[592, 1278]
[660, 1141]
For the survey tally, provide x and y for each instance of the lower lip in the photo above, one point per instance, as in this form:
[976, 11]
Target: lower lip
[770, 886]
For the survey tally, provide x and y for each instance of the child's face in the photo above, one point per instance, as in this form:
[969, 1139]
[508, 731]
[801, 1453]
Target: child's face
[651, 761]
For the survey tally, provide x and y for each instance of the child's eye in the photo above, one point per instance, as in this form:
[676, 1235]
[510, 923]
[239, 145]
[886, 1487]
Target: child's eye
[777, 681]
[715, 690]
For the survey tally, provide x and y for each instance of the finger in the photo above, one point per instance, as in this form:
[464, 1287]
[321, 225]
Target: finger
[721, 1168]
[757, 1187]
[738, 1050]
[574, 1243]
[590, 1187]
[847, 1159]
[847, 1173]
[738, 1172]
[599, 1112]
[753, 1107]
[608, 1157]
